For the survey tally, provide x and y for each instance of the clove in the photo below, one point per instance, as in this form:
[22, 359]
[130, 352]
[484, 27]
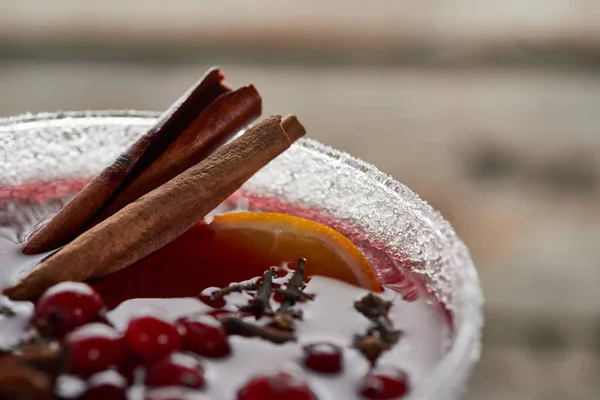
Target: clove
[261, 304]
[381, 336]
[233, 288]
[236, 326]
[284, 316]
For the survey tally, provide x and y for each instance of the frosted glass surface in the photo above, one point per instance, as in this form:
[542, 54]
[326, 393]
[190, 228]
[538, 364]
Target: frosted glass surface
[373, 209]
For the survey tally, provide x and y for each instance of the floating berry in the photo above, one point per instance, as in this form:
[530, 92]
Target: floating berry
[151, 337]
[206, 298]
[323, 357]
[176, 370]
[384, 383]
[64, 307]
[205, 336]
[106, 385]
[93, 348]
[276, 386]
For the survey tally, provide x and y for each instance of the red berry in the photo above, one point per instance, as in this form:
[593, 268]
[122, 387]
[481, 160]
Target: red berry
[64, 307]
[205, 336]
[205, 297]
[384, 383]
[93, 348]
[323, 357]
[176, 369]
[106, 385]
[151, 337]
[276, 386]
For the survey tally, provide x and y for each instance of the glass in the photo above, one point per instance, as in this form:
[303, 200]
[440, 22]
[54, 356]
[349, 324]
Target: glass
[372, 209]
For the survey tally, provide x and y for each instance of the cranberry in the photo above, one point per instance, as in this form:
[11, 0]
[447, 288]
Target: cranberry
[106, 385]
[323, 357]
[205, 297]
[204, 336]
[384, 383]
[176, 370]
[275, 386]
[64, 307]
[93, 348]
[151, 337]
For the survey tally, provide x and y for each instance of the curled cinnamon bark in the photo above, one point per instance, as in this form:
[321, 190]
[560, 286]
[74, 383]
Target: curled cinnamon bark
[71, 219]
[159, 217]
[216, 124]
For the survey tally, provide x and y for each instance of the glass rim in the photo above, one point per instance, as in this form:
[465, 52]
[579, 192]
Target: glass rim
[465, 348]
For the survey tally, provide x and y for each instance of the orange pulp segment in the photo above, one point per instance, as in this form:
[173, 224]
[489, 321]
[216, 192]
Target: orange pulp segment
[272, 238]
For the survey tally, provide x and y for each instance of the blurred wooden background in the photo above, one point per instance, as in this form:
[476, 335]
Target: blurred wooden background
[489, 110]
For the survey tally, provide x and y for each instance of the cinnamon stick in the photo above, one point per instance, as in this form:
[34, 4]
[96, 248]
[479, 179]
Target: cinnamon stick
[216, 124]
[19, 381]
[72, 218]
[159, 217]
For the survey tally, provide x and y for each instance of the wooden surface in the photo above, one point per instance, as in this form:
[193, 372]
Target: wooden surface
[319, 21]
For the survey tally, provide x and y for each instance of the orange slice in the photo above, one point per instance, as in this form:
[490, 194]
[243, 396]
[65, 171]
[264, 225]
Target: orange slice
[273, 238]
[233, 248]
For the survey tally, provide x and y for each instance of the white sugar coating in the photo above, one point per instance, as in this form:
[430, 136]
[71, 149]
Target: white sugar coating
[108, 377]
[69, 387]
[73, 145]
[331, 317]
[12, 261]
[376, 212]
[138, 393]
[13, 329]
[170, 308]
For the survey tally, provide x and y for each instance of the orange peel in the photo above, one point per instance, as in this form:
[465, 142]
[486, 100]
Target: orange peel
[273, 238]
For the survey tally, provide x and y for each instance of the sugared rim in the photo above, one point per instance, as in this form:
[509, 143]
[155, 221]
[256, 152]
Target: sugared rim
[454, 369]
[46, 116]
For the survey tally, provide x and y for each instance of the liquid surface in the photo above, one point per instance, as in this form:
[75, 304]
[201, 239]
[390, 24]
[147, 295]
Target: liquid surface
[330, 317]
